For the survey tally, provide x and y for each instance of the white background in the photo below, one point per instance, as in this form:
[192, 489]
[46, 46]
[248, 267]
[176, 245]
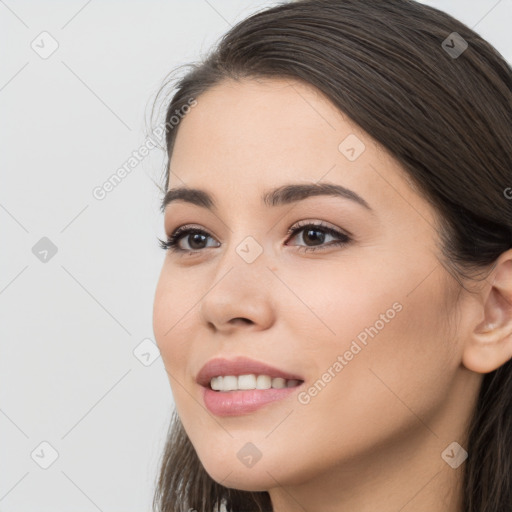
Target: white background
[69, 326]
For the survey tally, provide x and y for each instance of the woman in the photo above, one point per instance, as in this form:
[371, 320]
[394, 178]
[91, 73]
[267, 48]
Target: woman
[334, 311]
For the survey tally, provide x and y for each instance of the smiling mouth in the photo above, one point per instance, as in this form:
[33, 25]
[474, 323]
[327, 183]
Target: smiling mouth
[227, 383]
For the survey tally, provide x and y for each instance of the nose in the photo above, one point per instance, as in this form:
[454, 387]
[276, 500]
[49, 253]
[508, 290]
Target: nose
[240, 298]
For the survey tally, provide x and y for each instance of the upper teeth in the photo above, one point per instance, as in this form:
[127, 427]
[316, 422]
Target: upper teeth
[252, 381]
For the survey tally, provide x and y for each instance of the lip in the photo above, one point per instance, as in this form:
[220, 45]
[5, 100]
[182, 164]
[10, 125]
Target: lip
[239, 366]
[235, 403]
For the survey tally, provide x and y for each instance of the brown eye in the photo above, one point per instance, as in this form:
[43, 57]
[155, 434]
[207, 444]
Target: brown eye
[194, 237]
[314, 236]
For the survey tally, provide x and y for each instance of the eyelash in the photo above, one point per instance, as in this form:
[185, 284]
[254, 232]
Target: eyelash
[172, 242]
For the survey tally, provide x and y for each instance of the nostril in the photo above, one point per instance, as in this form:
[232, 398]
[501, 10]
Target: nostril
[241, 320]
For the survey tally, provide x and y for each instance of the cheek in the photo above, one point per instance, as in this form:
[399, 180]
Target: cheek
[397, 363]
[170, 322]
[398, 366]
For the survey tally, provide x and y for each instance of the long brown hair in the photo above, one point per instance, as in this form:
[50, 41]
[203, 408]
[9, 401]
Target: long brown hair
[444, 111]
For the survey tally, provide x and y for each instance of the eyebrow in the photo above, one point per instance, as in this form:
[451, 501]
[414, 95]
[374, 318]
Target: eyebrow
[283, 195]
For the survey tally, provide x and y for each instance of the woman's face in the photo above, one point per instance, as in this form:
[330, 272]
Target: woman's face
[364, 323]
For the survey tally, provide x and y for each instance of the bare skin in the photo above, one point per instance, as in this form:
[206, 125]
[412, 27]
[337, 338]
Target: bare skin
[373, 436]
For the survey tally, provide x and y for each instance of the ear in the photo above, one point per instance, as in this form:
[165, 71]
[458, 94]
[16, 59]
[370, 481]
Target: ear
[489, 343]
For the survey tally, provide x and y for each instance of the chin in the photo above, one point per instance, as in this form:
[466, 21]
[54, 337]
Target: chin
[265, 474]
[242, 479]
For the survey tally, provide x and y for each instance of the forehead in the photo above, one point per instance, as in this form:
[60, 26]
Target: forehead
[250, 135]
[279, 116]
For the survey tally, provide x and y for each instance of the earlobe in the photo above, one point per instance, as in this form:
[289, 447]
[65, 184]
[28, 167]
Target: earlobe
[489, 345]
